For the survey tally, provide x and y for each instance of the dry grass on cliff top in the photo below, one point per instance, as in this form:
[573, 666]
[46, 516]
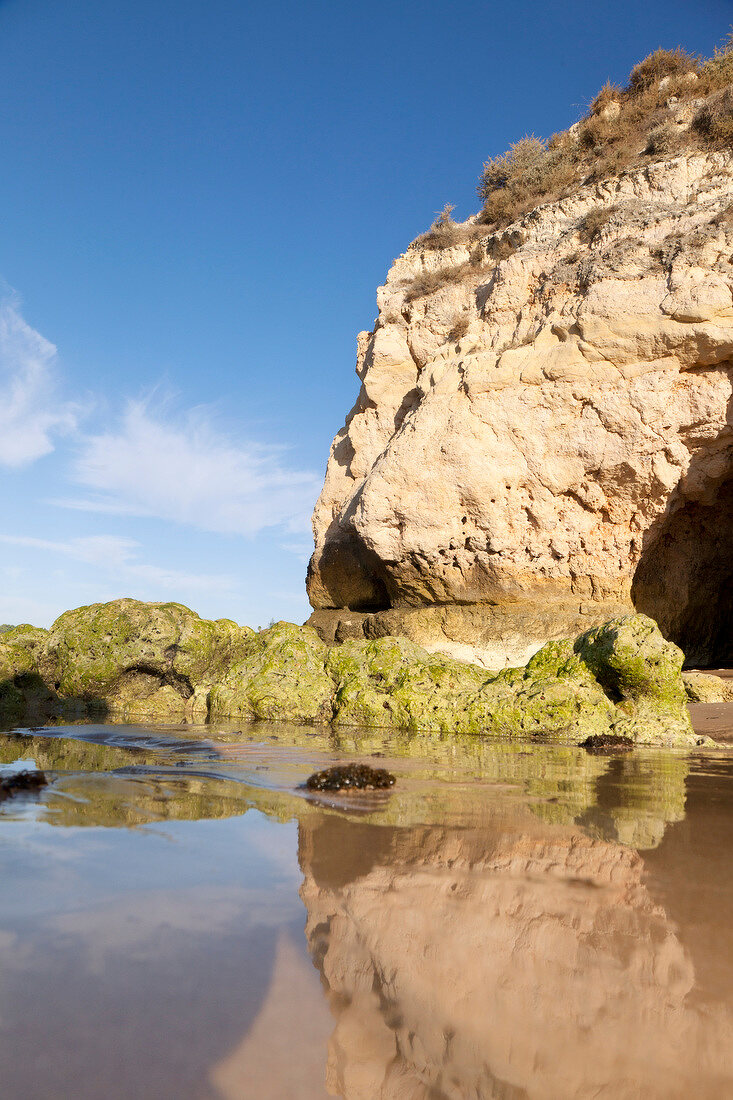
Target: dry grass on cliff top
[625, 127]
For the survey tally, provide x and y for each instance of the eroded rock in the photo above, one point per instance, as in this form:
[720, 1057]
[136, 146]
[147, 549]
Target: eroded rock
[567, 456]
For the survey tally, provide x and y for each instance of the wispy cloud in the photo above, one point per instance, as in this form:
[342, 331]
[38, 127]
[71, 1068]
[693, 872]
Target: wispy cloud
[30, 412]
[302, 548]
[186, 471]
[120, 556]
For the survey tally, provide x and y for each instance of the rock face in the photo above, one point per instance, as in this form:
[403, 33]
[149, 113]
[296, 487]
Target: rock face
[163, 662]
[546, 441]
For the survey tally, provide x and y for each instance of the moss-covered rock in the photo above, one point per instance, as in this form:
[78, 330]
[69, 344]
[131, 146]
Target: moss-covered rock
[140, 659]
[20, 647]
[393, 682]
[642, 674]
[163, 663]
[20, 686]
[281, 677]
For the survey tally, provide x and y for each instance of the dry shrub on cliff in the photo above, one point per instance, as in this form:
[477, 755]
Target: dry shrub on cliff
[663, 139]
[657, 66]
[593, 222]
[521, 165]
[445, 233]
[512, 183]
[460, 327]
[717, 71]
[623, 125]
[427, 282]
[501, 249]
[714, 120]
[609, 93]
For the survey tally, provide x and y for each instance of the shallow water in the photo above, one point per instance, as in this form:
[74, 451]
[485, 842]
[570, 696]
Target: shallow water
[178, 918]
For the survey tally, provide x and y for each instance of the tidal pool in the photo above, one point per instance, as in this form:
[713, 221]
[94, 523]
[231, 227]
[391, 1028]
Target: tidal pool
[180, 918]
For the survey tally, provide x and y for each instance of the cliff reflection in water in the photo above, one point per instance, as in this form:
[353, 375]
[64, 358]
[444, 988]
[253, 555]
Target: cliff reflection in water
[509, 959]
[512, 920]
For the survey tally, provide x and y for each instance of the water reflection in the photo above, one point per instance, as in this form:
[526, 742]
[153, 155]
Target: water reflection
[126, 776]
[511, 921]
[507, 960]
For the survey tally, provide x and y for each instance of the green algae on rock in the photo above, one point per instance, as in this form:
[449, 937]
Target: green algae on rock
[641, 671]
[20, 648]
[280, 677]
[393, 682]
[164, 663]
[622, 677]
[140, 658]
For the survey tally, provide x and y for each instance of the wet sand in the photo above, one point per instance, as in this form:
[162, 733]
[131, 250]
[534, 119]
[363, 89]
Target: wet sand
[181, 918]
[713, 719]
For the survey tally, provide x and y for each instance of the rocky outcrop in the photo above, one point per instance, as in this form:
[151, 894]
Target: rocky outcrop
[152, 659]
[127, 658]
[162, 662]
[544, 441]
[702, 688]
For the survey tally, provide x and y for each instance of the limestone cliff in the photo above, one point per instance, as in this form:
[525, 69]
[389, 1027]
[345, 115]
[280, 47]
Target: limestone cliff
[543, 437]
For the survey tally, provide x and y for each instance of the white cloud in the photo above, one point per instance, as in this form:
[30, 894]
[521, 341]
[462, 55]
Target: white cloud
[119, 556]
[30, 414]
[188, 472]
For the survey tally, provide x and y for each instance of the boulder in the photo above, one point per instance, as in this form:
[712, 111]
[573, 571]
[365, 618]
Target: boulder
[700, 687]
[642, 673]
[155, 660]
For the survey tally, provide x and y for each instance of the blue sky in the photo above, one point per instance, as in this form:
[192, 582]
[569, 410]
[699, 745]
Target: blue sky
[199, 201]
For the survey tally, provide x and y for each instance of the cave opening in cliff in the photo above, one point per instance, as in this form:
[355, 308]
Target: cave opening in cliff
[685, 580]
[351, 576]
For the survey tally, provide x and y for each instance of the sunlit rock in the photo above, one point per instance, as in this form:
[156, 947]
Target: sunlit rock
[542, 442]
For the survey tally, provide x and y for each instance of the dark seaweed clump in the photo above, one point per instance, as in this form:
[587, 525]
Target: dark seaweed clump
[350, 777]
[603, 744]
[21, 781]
